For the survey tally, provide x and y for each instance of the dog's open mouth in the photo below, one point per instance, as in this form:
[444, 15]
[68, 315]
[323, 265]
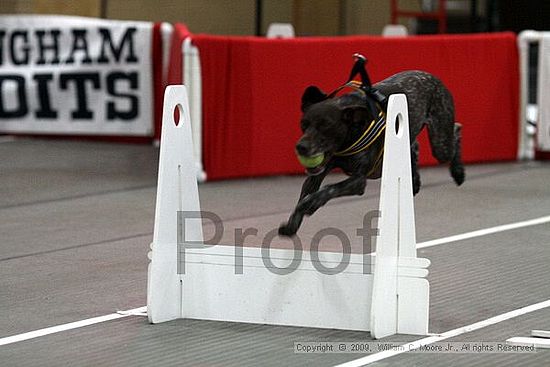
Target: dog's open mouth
[314, 164]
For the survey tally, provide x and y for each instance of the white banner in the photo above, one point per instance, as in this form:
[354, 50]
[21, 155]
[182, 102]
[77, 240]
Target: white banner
[73, 75]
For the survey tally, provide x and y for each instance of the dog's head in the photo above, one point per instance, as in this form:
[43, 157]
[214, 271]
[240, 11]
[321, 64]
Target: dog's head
[328, 124]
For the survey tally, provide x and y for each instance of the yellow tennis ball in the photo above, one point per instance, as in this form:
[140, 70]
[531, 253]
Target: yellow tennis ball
[311, 162]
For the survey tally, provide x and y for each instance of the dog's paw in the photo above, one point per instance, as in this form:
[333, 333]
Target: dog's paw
[286, 230]
[416, 188]
[458, 175]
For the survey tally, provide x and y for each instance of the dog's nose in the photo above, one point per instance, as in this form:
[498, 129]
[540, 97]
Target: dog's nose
[302, 147]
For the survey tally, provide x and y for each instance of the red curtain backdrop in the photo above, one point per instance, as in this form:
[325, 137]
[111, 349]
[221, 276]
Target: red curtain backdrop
[252, 89]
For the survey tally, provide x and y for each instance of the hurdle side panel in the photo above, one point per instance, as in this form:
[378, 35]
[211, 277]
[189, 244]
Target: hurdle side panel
[176, 191]
[397, 294]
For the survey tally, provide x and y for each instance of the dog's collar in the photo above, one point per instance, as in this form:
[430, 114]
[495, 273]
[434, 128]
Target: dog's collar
[373, 131]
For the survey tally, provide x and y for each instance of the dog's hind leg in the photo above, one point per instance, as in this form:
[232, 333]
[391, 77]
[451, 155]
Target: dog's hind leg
[414, 167]
[444, 133]
[441, 135]
[457, 167]
[445, 143]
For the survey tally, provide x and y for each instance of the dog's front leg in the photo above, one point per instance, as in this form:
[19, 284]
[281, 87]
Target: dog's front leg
[311, 185]
[354, 185]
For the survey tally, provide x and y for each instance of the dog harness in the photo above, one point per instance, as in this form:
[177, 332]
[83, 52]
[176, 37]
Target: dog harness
[373, 131]
[375, 101]
[371, 134]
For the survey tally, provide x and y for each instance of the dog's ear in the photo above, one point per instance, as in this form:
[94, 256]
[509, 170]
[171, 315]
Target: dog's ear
[355, 114]
[312, 95]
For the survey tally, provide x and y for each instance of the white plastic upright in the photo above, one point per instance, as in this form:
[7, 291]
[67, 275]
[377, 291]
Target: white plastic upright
[176, 191]
[395, 30]
[399, 301]
[543, 96]
[280, 30]
[534, 119]
[526, 143]
[193, 80]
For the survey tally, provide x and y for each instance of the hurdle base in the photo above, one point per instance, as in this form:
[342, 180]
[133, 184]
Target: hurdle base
[215, 287]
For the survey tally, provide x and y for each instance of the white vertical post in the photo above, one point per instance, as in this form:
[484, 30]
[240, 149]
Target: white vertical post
[280, 30]
[396, 263]
[176, 191]
[192, 79]
[543, 95]
[526, 144]
[166, 31]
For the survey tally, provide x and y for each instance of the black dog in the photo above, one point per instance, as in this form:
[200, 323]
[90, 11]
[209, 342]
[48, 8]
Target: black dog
[331, 126]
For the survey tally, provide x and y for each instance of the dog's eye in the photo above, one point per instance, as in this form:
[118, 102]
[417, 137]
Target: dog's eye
[304, 125]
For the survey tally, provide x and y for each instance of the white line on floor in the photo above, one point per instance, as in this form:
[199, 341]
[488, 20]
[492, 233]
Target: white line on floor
[484, 232]
[114, 316]
[69, 326]
[446, 335]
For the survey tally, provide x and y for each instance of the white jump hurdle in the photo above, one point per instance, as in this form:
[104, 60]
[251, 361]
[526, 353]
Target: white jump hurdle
[393, 300]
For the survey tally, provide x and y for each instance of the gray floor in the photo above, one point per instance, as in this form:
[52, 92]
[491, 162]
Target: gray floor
[76, 221]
